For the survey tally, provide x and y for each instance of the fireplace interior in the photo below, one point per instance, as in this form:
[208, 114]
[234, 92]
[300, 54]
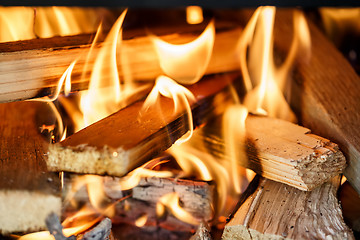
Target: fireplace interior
[179, 123]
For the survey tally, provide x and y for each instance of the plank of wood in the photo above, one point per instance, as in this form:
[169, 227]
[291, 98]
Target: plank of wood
[278, 211]
[281, 151]
[28, 192]
[325, 94]
[35, 73]
[125, 140]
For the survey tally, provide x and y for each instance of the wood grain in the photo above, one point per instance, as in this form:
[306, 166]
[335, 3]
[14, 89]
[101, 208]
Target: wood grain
[281, 151]
[28, 192]
[136, 138]
[35, 72]
[325, 94]
[278, 211]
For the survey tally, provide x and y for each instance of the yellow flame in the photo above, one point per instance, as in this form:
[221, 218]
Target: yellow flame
[265, 82]
[140, 221]
[234, 133]
[194, 15]
[67, 231]
[16, 23]
[104, 94]
[171, 202]
[62, 21]
[186, 63]
[132, 179]
[181, 96]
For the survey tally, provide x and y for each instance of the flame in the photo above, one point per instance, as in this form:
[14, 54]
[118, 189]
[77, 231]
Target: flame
[104, 94]
[170, 202]
[194, 15]
[181, 96]
[265, 82]
[186, 63]
[133, 178]
[16, 23]
[234, 133]
[140, 221]
[62, 21]
[22, 23]
[78, 226]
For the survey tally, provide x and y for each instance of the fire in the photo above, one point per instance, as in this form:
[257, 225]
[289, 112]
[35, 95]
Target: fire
[132, 179]
[22, 23]
[194, 15]
[141, 221]
[104, 94]
[186, 63]
[181, 96]
[265, 82]
[170, 202]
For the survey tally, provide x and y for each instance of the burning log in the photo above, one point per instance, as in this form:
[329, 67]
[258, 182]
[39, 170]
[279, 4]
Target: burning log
[42, 62]
[28, 192]
[139, 208]
[327, 76]
[282, 151]
[277, 211]
[100, 232]
[125, 140]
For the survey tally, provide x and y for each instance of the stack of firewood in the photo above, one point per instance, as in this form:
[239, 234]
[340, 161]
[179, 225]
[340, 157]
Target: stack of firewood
[295, 197]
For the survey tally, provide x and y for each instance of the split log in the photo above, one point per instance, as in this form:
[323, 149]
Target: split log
[35, 73]
[278, 211]
[28, 192]
[281, 151]
[325, 94]
[125, 140]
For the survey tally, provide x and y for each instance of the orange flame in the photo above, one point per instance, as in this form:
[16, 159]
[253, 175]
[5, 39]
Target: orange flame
[194, 15]
[140, 221]
[170, 202]
[186, 63]
[181, 96]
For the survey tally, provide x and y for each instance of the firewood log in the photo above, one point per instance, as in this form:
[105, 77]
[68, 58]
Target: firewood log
[36, 70]
[28, 192]
[278, 211]
[325, 94]
[281, 151]
[196, 197]
[125, 140]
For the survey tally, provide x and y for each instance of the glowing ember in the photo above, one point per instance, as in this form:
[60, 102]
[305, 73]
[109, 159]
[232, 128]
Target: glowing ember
[171, 202]
[140, 221]
[194, 15]
[181, 96]
[186, 63]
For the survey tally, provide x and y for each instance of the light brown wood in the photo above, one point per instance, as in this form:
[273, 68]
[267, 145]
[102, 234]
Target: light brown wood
[136, 138]
[278, 211]
[325, 94]
[28, 192]
[35, 72]
[281, 151]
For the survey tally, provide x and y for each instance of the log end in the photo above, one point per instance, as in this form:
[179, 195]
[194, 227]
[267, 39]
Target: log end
[87, 159]
[26, 211]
